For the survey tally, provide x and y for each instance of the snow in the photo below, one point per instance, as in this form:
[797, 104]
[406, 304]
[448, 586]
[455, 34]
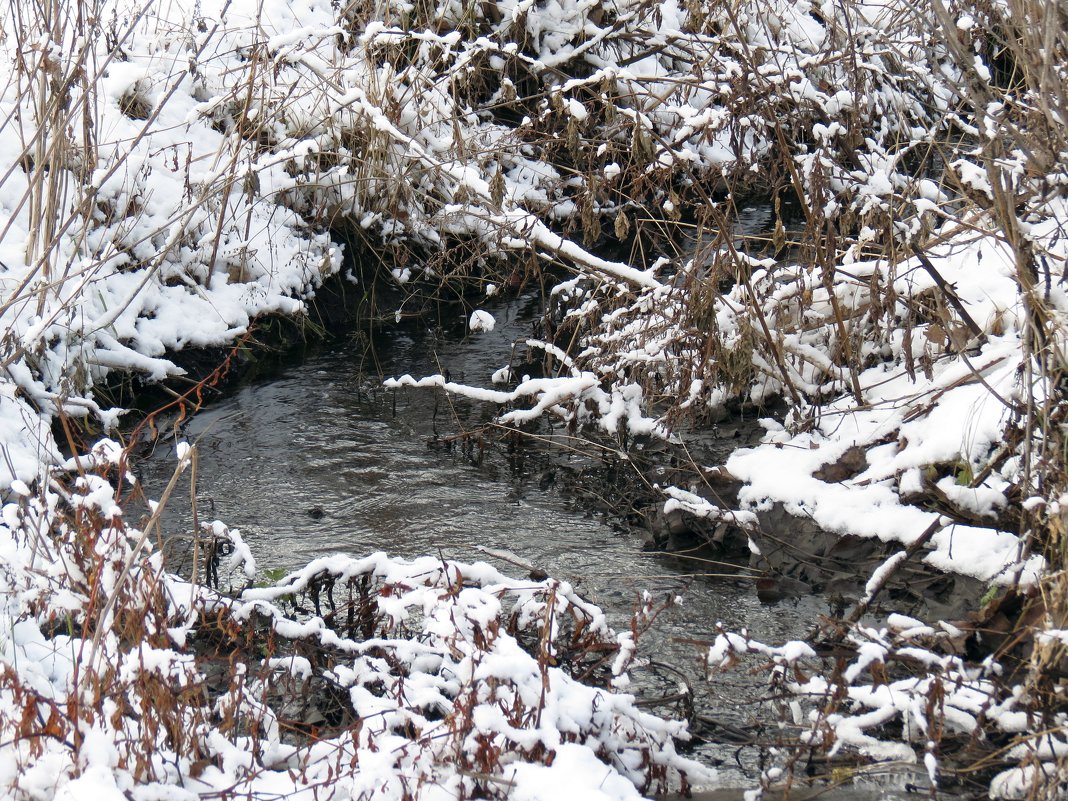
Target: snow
[992, 556]
[1014, 784]
[481, 321]
[576, 774]
[175, 194]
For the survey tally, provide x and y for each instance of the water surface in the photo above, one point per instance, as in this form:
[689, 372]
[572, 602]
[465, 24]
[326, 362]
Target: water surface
[320, 459]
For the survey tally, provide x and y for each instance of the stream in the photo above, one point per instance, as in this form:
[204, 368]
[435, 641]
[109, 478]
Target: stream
[318, 458]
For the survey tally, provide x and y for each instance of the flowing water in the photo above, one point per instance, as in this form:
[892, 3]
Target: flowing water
[320, 459]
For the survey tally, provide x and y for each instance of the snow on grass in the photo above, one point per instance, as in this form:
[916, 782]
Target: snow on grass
[166, 178]
[158, 244]
[415, 678]
[164, 186]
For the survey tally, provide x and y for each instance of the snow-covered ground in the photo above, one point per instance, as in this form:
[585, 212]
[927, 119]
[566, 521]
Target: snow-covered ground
[168, 174]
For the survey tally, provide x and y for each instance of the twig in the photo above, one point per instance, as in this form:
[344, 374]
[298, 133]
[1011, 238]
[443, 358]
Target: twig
[950, 295]
[902, 557]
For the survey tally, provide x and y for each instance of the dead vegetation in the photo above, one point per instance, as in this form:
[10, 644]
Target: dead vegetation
[470, 144]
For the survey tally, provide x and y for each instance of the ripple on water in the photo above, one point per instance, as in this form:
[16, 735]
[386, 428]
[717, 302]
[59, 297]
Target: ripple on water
[312, 462]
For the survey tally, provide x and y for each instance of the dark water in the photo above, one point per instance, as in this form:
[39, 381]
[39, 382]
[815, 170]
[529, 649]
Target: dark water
[320, 459]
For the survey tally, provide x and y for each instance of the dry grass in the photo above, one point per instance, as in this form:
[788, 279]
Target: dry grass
[507, 151]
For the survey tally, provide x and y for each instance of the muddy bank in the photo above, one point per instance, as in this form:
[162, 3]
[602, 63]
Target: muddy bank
[786, 556]
[793, 556]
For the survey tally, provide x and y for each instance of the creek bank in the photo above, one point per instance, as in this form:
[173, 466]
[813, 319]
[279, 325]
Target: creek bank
[791, 555]
[285, 469]
[318, 458]
[359, 307]
[796, 556]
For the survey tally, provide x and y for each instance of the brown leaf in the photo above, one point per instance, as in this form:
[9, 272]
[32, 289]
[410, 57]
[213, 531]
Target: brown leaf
[935, 334]
[849, 464]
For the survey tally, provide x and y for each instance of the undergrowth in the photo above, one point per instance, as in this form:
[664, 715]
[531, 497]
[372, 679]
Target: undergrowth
[167, 178]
